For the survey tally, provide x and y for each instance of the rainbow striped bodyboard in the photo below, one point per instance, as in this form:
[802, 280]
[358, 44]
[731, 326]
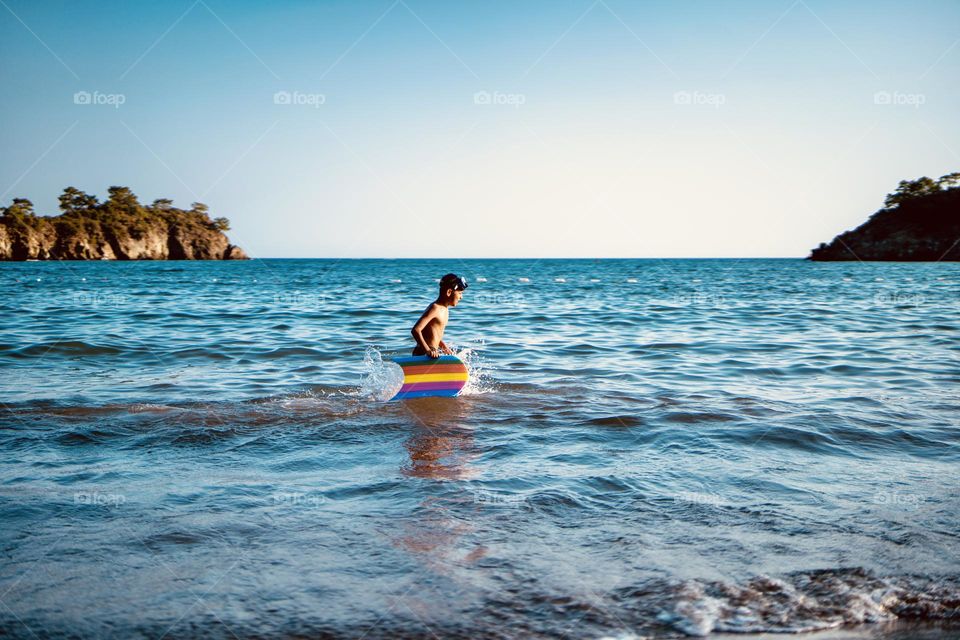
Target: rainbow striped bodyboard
[425, 376]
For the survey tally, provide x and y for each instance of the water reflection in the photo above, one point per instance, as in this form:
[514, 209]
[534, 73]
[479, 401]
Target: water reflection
[440, 449]
[440, 446]
[440, 455]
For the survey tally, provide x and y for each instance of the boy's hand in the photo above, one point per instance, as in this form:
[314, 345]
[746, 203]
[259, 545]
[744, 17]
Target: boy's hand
[433, 353]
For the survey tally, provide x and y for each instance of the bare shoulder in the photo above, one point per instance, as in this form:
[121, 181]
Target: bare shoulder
[437, 311]
[433, 309]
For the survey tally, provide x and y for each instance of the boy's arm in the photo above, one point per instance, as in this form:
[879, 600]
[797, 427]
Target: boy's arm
[445, 348]
[417, 330]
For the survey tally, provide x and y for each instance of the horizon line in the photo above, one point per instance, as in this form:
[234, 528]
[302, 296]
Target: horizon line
[490, 258]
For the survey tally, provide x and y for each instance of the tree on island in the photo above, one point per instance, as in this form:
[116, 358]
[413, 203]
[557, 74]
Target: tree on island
[122, 199]
[121, 207]
[924, 186]
[19, 219]
[72, 200]
[949, 181]
[20, 209]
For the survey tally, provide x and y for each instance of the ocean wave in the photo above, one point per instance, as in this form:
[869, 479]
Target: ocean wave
[65, 348]
[805, 602]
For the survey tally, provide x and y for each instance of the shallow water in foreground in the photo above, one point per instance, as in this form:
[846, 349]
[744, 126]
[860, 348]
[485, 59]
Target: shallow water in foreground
[654, 448]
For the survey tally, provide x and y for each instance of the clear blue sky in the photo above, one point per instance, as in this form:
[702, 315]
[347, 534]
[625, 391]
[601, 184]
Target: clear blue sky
[607, 127]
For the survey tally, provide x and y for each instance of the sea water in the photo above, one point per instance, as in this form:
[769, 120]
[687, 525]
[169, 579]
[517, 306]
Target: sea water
[647, 448]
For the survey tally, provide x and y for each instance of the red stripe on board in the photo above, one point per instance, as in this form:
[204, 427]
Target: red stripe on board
[418, 369]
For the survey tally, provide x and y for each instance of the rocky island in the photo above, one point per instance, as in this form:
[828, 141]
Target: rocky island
[118, 229]
[920, 221]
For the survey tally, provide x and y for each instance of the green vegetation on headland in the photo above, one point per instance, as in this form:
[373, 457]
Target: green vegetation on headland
[118, 229]
[920, 221]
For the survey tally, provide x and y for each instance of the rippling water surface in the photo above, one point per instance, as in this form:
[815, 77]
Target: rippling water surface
[648, 448]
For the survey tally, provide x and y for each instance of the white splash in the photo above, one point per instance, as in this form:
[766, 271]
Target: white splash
[381, 380]
[480, 380]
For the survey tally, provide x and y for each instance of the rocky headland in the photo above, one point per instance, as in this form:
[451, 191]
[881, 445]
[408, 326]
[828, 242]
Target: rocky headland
[118, 229]
[920, 221]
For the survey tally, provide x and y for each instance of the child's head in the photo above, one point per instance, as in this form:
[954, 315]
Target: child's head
[451, 289]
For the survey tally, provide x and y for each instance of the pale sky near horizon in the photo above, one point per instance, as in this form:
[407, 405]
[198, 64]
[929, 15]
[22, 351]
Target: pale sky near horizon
[564, 128]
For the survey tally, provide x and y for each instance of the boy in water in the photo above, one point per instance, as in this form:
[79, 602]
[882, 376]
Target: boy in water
[428, 332]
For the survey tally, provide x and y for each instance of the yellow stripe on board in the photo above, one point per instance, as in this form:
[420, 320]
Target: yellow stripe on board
[435, 377]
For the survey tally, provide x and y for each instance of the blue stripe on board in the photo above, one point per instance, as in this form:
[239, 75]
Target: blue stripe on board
[439, 393]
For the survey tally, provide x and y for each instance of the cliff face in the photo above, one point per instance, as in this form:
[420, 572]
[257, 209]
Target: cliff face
[924, 228]
[45, 240]
[115, 230]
